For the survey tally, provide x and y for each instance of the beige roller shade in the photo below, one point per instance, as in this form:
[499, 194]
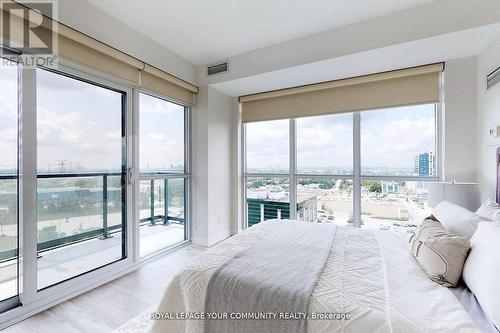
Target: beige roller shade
[411, 86]
[90, 57]
[87, 51]
[156, 85]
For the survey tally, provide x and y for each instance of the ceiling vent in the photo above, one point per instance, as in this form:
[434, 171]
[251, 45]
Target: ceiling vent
[493, 78]
[218, 68]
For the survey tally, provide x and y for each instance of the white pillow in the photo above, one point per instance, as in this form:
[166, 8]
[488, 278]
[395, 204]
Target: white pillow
[482, 269]
[489, 210]
[456, 219]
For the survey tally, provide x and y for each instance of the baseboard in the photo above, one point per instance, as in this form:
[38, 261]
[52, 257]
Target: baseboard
[199, 241]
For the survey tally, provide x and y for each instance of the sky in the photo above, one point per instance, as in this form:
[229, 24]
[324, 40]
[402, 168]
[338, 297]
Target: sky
[79, 124]
[393, 137]
[8, 117]
[161, 133]
[390, 138]
[330, 134]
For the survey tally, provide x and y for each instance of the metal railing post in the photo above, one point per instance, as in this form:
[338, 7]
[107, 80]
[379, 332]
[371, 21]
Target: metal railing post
[165, 197]
[152, 203]
[105, 232]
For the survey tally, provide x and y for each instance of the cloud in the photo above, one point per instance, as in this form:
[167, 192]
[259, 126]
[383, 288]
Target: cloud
[77, 138]
[153, 105]
[389, 138]
[267, 145]
[395, 142]
[160, 151]
[114, 136]
[325, 141]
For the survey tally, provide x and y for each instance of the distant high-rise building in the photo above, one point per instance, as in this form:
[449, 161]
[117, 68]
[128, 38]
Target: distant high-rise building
[425, 164]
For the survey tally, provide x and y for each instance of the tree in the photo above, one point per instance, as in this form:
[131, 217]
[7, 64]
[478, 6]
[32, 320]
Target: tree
[373, 186]
[376, 187]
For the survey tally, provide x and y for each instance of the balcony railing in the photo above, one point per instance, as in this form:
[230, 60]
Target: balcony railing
[71, 197]
[153, 217]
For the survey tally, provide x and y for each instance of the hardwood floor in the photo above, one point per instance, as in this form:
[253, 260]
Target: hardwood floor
[111, 305]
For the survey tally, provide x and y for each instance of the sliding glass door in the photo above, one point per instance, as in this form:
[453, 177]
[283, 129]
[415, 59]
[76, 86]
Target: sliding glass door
[81, 166]
[9, 242]
[82, 156]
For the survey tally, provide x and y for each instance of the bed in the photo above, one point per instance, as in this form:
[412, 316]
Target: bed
[368, 274]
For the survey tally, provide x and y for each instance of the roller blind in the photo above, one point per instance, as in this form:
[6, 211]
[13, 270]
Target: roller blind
[155, 81]
[84, 50]
[410, 86]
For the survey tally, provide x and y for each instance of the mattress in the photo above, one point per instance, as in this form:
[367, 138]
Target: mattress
[369, 275]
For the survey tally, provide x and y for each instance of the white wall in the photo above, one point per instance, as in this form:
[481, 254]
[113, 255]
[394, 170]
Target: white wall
[220, 137]
[213, 139]
[88, 19]
[199, 179]
[460, 104]
[488, 116]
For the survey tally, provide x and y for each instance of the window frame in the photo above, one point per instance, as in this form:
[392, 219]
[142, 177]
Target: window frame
[356, 176]
[30, 300]
[186, 174]
[28, 196]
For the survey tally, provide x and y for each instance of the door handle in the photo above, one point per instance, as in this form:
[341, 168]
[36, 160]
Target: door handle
[130, 176]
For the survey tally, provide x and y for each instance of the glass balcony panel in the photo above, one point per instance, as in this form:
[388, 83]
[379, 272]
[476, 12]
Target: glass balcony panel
[8, 238]
[176, 201]
[267, 199]
[162, 212]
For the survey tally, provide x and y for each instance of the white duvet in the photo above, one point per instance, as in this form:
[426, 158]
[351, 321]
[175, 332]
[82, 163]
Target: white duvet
[370, 274]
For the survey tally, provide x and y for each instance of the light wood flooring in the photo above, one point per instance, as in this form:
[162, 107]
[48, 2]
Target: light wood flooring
[111, 305]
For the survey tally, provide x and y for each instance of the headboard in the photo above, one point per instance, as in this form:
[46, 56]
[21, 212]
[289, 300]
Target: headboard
[498, 175]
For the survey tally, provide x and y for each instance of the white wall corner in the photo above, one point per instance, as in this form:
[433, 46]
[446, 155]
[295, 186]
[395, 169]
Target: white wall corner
[199, 178]
[488, 116]
[459, 119]
[213, 134]
[236, 168]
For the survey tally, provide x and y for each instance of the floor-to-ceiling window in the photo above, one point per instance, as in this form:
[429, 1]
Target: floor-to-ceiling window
[80, 170]
[369, 168]
[164, 173]
[9, 285]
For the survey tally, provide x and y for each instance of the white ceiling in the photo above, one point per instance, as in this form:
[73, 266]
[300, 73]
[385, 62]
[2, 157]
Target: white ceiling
[425, 51]
[205, 31]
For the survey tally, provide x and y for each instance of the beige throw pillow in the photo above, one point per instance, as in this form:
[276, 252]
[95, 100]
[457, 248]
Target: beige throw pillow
[440, 253]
